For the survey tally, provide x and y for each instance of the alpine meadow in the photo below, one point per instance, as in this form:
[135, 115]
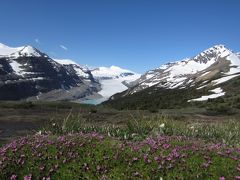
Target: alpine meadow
[129, 89]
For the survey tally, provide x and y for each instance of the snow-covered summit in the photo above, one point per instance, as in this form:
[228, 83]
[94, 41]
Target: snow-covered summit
[112, 72]
[15, 52]
[82, 71]
[27, 51]
[65, 61]
[6, 50]
[213, 52]
[30, 51]
[238, 54]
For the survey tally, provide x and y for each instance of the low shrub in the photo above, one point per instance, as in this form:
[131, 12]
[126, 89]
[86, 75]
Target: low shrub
[219, 109]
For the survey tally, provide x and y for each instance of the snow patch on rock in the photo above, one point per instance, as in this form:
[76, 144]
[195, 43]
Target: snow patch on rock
[218, 92]
[224, 79]
[16, 67]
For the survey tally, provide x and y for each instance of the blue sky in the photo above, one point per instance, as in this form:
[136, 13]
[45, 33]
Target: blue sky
[134, 34]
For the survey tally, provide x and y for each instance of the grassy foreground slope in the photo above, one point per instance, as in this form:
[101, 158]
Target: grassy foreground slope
[143, 148]
[93, 156]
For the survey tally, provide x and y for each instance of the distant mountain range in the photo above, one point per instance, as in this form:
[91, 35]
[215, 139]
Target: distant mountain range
[211, 74]
[28, 74]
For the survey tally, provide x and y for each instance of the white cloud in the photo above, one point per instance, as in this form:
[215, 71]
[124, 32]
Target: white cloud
[63, 47]
[37, 40]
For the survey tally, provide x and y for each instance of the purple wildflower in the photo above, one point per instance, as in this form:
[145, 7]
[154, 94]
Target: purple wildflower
[156, 158]
[28, 177]
[166, 146]
[136, 174]
[44, 178]
[135, 159]
[13, 177]
[238, 168]
[104, 177]
[41, 168]
[205, 165]
[169, 158]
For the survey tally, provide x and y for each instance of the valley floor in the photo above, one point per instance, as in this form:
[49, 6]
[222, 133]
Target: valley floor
[19, 119]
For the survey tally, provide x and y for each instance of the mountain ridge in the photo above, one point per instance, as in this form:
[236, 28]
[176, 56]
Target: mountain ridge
[180, 71]
[27, 73]
[204, 76]
[67, 80]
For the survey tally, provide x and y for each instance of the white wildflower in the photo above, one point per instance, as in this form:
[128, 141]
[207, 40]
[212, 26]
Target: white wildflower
[134, 134]
[162, 125]
[125, 136]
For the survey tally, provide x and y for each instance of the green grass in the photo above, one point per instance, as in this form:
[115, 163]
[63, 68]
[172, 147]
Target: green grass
[140, 127]
[42, 104]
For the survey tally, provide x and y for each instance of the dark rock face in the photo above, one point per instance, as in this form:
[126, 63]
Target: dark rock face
[18, 90]
[5, 68]
[35, 75]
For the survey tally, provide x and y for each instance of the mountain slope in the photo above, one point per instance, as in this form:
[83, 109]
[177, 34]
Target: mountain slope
[81, 71]
[206, 65]
[25, 72]
[192, 79]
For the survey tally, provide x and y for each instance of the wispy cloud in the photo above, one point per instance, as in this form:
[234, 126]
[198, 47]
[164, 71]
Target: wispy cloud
[37, 40]
[63, 47]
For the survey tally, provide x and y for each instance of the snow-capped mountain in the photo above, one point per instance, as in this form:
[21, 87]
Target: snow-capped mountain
[81, 71]
[207, 75]
[6, 50]
[238, 54]
[23, 51]
[213, 62]
[113, 80]
[25, 72]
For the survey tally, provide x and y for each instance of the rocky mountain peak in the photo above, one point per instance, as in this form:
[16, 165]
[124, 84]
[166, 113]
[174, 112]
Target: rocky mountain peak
[213, 52]
[28, 51]
[22, 51]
